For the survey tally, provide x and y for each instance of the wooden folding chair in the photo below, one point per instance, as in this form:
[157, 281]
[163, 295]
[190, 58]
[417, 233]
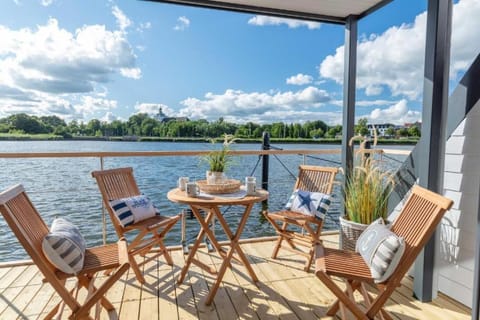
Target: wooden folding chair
[120, 183]
[415, 223]
[313, 179]
[30, 229]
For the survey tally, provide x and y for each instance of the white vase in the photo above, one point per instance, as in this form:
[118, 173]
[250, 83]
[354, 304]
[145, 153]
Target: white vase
[214, 177]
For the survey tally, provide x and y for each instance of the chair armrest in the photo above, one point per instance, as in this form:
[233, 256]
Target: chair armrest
[289, 218]
[123, 252]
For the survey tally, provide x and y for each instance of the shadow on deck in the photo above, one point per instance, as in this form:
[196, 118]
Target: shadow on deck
[284, 291]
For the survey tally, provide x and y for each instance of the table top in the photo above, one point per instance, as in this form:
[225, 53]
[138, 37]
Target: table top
[177, 195]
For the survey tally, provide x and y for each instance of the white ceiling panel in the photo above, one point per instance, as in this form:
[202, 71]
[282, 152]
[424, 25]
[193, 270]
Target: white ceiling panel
[321, 10]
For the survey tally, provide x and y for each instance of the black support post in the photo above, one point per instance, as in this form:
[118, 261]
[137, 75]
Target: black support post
[435, 102]
[349, 87]
[265, 158]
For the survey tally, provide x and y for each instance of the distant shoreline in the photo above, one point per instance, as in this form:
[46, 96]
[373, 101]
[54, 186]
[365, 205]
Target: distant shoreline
[406, 141]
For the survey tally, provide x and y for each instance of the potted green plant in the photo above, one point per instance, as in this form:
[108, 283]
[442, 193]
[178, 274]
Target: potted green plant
[219, 160]
[366, 194]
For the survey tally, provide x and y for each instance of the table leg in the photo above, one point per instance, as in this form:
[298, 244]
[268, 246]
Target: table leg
[191, 255]
[234, 247]
[235, 238]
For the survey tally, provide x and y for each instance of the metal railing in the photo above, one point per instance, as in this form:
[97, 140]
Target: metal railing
[310, 155]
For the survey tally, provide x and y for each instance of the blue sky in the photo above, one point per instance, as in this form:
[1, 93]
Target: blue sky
[110, 59]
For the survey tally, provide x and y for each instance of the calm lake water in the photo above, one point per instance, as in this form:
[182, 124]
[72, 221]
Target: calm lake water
[63, 187]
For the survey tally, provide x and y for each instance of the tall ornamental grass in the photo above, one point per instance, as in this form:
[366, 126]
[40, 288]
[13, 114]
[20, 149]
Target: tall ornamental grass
[367, 190]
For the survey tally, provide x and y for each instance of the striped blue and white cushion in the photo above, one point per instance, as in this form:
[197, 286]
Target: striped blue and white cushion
[309, 203]
[64, 246]
[381, 249]
[133, 209]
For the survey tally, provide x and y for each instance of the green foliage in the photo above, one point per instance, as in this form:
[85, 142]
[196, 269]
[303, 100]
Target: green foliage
[362, 128]
[143, 125]
[414, 131]
[218, 160]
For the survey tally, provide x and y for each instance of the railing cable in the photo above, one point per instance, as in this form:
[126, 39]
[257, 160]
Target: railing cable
[285, 167]
[391, 158]
[323, 159]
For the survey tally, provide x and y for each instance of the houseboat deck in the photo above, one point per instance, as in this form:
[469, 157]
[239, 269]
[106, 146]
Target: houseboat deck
[284, 291]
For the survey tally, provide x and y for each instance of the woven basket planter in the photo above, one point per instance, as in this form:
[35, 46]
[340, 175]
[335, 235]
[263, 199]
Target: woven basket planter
[349, 233]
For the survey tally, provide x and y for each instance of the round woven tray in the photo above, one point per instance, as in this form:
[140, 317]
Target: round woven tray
[228, 186]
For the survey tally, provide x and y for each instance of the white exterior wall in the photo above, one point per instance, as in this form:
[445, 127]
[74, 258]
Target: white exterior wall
[455, 252]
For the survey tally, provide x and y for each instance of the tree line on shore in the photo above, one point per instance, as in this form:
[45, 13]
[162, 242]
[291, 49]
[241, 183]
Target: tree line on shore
[142, 124]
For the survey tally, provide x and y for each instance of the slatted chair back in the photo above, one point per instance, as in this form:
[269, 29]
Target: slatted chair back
[30, 229]
[26, 224]
[316, 179]
[116, 184]
[418, 220]
[120, 183]
[416, 223]
[313, 179]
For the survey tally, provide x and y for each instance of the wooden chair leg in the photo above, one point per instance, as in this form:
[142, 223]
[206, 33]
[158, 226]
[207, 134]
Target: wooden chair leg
[136, 269]
[166, 254]
[342, 297]
[309, 261]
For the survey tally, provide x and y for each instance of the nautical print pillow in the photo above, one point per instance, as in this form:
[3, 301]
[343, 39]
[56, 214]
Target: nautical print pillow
[381, 249]
[64, 246]
[313, 204]
[133, 209]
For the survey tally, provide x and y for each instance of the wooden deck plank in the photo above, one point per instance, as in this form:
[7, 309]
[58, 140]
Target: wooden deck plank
[234, 291]
[307, 288]
[10, 277]
[284, 291]
[197, 280]
[167, 301]
[149, 309]
[222, 304]
[269, 276]
[187, 304]
[21, 294]
[295, 284]
[132, 296]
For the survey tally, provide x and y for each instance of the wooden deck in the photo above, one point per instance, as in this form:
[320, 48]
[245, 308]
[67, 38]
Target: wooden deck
[284, 291]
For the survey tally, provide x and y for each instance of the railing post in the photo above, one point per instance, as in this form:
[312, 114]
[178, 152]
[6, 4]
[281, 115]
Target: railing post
[367, 146]
[104, 215]
[265, 146]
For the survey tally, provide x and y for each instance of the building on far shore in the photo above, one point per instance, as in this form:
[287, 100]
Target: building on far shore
[162, 117]
[381, 128]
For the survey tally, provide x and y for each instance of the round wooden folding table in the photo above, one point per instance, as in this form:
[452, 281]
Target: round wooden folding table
[211, 205]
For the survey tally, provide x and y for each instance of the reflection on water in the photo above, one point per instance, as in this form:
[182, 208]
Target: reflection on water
[64, 187]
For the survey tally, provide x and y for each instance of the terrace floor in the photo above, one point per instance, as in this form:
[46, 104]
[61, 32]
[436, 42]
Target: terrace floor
[284, 291]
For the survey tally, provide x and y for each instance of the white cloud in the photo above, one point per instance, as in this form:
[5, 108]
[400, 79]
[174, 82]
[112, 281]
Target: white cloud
[144, 26]
[182, 23]
[45, 3]
[260, 20]
[153, 108]
[300, 79]
[47, 68]
[398, 113]
[109, 117]
[90, 104]
[242, 105]
[395, 58]
[122, 20]
[134, 73]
